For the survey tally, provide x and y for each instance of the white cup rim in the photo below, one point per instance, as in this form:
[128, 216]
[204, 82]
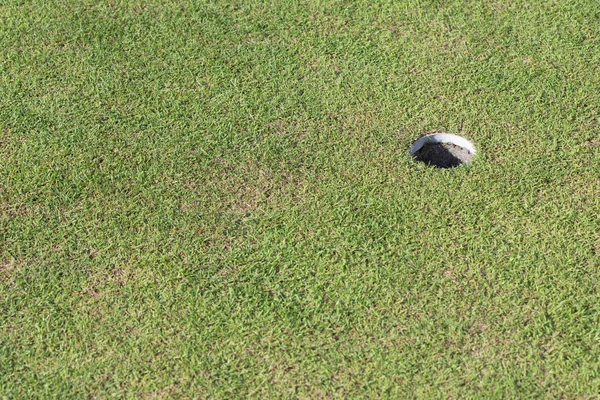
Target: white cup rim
[442, 138]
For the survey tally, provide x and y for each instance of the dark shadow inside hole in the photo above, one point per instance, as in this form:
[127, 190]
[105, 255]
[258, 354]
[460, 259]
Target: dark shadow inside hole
[443, 155]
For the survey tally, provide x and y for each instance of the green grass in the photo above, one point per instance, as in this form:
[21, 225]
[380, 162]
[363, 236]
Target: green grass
[215, 199]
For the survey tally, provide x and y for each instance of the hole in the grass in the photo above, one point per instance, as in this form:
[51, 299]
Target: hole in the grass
[443, 150]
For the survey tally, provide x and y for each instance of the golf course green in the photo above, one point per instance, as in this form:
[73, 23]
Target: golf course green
[215, 199]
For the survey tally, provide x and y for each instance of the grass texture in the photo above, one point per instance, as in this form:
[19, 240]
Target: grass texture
[214, 199]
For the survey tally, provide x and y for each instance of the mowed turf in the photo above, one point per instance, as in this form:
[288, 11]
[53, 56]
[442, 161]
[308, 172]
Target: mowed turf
[215, 199]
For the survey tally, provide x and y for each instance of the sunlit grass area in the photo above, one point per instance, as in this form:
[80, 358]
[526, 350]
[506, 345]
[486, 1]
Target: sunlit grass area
[214, 199]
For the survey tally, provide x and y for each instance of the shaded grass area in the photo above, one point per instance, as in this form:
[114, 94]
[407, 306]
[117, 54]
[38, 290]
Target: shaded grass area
[216, 199]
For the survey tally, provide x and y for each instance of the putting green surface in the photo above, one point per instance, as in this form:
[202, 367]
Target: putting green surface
[215, 199]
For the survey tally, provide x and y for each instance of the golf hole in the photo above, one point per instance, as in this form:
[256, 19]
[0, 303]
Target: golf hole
[443, 150]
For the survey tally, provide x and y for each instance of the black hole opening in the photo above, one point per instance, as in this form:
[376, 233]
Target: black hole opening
[443, 155]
